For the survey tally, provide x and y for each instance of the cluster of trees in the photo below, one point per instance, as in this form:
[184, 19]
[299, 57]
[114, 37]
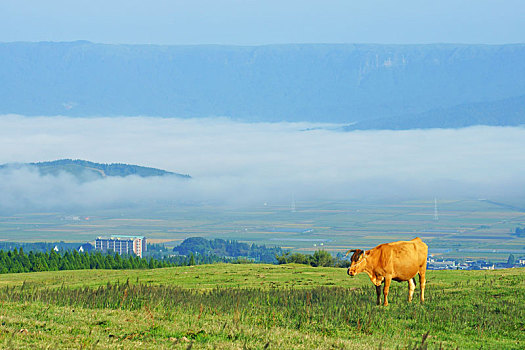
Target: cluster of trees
[205, 251]
[228, 249]
[18, 261]
[319, 258]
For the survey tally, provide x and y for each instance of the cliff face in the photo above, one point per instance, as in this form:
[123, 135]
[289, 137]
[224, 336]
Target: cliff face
[323, 83]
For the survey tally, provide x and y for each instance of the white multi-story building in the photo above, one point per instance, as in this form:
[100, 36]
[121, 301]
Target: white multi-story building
[122, 244]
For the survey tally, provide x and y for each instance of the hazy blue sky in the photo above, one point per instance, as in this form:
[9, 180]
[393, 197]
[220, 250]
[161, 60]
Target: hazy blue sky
[255, 22]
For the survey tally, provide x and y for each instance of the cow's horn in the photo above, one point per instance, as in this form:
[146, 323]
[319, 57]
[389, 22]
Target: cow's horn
[350, 251]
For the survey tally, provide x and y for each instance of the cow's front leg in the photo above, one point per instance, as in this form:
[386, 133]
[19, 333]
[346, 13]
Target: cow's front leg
[385, 290]
[378, 292]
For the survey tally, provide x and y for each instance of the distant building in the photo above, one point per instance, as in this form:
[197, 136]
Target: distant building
[435, 264]
[487, 267]
[122, 244]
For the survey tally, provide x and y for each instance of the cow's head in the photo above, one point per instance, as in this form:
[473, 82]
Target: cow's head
[358, 260]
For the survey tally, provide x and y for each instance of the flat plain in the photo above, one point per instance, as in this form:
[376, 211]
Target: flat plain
[479, 229]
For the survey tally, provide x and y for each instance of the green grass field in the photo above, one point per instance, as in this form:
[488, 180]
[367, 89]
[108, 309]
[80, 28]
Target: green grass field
[229, 306]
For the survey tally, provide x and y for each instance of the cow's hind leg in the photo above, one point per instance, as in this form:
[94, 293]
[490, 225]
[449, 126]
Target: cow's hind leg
[385, 290]
[422, 283]
[411, 289]
[378, 293]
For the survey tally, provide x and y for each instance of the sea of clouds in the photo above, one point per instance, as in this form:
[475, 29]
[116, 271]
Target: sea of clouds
[249, 163]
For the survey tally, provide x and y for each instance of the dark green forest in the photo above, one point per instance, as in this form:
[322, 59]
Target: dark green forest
[17, 261]
[229, 249]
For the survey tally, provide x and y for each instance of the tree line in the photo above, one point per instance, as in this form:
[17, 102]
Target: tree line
[16, 261]
[319, 258]
[193, 251]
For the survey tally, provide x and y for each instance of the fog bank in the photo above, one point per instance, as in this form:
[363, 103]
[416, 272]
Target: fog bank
[242, 163]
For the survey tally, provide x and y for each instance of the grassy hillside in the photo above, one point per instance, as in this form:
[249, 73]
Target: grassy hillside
[257, 306]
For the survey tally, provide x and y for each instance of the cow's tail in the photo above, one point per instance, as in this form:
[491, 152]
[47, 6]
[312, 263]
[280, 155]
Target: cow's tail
[414, 280]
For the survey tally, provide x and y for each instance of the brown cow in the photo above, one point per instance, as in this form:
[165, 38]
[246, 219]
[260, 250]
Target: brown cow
[398, 261]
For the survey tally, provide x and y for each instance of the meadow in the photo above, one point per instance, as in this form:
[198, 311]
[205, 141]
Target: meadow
[254, 306]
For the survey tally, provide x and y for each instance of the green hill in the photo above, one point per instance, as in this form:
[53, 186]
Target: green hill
[227, 306]
[85, 170]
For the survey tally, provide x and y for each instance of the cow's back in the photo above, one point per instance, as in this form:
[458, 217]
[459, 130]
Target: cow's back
[403, 259]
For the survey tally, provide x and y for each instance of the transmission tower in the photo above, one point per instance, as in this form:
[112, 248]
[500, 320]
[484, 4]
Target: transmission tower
[436, 216]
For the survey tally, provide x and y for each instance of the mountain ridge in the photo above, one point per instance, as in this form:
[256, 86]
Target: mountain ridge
[338, 83]
[506, 112]
[87, 170]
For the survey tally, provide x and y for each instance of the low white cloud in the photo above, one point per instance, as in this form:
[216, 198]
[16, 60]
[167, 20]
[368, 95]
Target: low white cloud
[233, 162]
